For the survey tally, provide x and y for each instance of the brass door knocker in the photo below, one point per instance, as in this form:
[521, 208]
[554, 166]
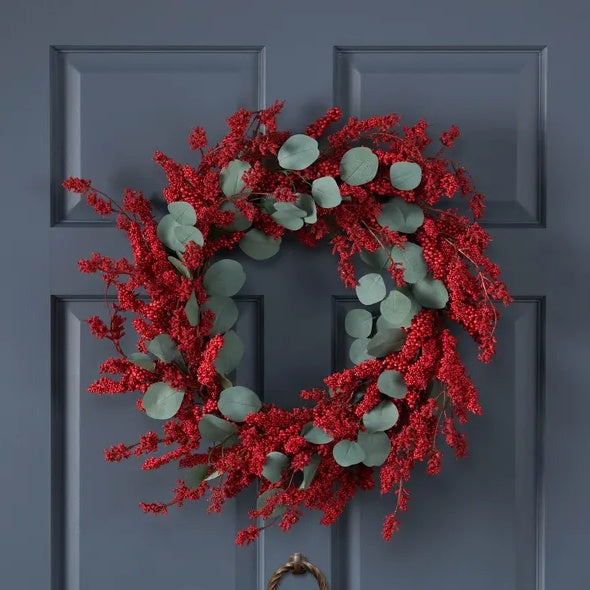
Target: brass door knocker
[298, 565]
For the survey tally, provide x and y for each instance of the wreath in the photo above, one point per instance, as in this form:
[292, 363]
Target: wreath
[371, 190]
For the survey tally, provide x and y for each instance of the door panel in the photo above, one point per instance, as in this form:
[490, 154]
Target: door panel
[93, 89]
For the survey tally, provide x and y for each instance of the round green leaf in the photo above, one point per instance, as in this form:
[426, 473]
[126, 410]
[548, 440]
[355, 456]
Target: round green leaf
[358, 351]
[230, 354]
[405, 176]
[180, 267]
[142, 360]
[392, 384]
[230, 177]
[358, 323]
[161, 401]
[258, 245]
[371, 288]
[309, 471]
[288, 219]
[376, 446]
[377, 260]
[191, 309]
[392, 217]
[358, 166]
[431, 293]
[412, 259]
[166, 234]
[347, 453]
[414, 216]
[382, 417]
[225, 310]
[325, 192]
[224, 277]
[163, 347]
[274, 466]
[240, 223]
[262, 500]
[386, 342]
[315, 435]
[188, 233]
[213, 428]
[298, 152]
[195, 476]
[395, 307]
[238, 402]
[183, 212]
[307, 203]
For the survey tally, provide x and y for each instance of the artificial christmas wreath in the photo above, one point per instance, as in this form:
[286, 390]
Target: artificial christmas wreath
[369, 189]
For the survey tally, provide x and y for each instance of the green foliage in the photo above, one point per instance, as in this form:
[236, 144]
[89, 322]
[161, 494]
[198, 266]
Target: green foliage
[215, 429]
[358, 166]
[376, 446]
[238, 402]
[258, 245]
[224, 277]
[274, 466]
[191, 309]
[230, 177]
[225, 310]
[347, 453]
[385, 342]
[431, 293]
[161, 401]
[392, 384]
[358, 323]
[382, 417]
[315, 435]
[230, 354]
[142, 360]
[371, 289]
[325, 192]
[405, 176]
[298, 152]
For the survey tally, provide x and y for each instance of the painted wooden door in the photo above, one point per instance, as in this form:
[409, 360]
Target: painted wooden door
[93, 88]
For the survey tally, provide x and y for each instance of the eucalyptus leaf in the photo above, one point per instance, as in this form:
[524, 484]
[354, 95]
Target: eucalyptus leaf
[315, 435]
[215, 429]
[183, 212]
[358, 166]
[309, 471]
[405, 176]
[325, 192]
[240, 223]
[142, 360]
[180, 267]
[392, 216]
[163, 347]
[395, 307]
[230, 177]
[347, 453]
[225, 310]
[274, 466]
[238, 402]
[377, 260]
[431, 293]
[412, 259]
[392, 384]
[382, 417]
[161, 401]
[188, 233]
[307, 203]
[166, 234]
[258, 245]
[288, 220]
[191, 309]
[371, 289]
[376, 446]
[298, 152]
[263, 499]
[224, 277]
[230, 354]
[386, 342]
[358, 323]
[358, 352]
[195, 476]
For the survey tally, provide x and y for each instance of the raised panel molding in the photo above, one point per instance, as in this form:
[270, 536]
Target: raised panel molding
[82, 425]
[513, 513]
[496, 95]
[112, 107]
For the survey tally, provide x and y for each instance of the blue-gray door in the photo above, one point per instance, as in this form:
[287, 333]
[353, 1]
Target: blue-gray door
[92, 88]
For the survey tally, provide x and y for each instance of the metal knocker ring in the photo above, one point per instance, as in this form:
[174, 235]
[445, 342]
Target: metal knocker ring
[297, 565]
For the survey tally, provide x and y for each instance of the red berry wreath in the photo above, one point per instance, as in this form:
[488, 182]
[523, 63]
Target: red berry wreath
[372, 191]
